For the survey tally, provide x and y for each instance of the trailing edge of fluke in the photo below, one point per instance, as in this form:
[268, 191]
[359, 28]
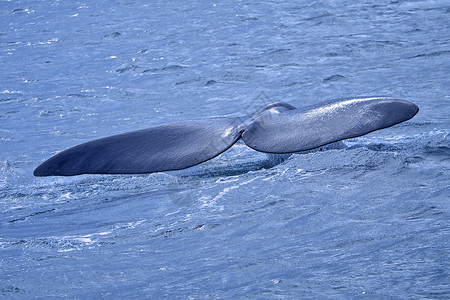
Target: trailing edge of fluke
[276, 128]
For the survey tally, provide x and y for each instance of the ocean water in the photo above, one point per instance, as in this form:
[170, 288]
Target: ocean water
[369, 219]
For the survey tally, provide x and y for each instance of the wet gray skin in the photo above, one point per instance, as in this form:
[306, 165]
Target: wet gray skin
[276, 128]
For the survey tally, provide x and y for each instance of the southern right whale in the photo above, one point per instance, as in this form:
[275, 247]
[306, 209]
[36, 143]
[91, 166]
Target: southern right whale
[277, 128]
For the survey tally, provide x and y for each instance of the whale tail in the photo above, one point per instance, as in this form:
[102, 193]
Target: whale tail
[276, 128]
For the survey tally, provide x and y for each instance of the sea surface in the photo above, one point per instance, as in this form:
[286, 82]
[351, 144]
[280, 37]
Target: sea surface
[368, 220]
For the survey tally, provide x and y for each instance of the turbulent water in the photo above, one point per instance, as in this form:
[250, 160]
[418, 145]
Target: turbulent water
[369, 219]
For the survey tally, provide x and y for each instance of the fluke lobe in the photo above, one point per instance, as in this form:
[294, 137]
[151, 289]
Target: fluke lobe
[276, 128]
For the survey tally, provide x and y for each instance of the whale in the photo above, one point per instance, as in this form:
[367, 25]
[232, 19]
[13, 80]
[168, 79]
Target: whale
[277, 128]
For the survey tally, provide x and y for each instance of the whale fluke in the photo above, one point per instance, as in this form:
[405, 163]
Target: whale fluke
[162, 148]
[319, 125]
[276, 128]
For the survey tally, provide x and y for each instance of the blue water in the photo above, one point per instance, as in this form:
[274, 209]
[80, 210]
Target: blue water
[367, 220]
